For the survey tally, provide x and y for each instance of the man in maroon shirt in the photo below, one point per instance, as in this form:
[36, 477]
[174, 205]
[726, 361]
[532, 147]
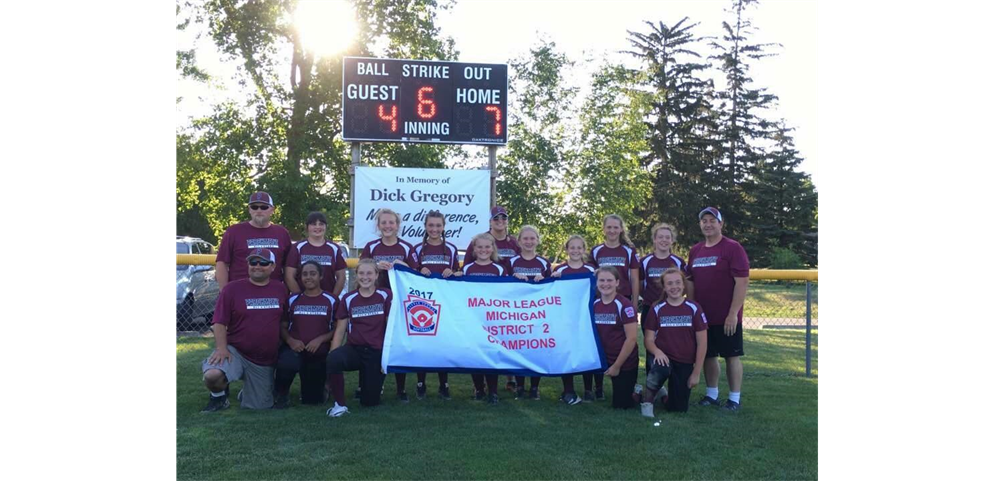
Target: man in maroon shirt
[257, 233]
[720, 272]
[246, 329]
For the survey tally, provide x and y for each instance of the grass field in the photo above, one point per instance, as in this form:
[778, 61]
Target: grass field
[773, 437]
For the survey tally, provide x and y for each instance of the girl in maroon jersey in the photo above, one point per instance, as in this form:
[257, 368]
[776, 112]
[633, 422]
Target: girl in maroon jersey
[617, 251]
[435, 255]
[487, 262]
[652, 266]
[387, 250]
[576, 263]
[676, 339]
[617, 327]
[363, 313]
[529, 266]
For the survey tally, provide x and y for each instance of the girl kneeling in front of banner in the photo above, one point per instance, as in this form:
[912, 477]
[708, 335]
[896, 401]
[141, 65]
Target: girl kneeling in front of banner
[529, 266]
[487, 262]
[576, 263]
[618, 329]
[435, 255]
[363, 313]
[387, 250]
[676, 337]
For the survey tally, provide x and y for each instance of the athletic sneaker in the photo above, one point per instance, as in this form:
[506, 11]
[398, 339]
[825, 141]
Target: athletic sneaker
[402, 397]
[282, 401]
[420, 391]
[647, 409]
[571, 398]
[337, 410]
[444, 393]
[661, 395]
[599, 394]
[731, 405]
[707, 401]
[479, 396]
[588, 397]
[216, 404]
[534, 393]
[492, 399]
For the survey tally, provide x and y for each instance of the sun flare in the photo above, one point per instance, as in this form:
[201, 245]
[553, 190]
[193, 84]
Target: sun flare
[327, 27]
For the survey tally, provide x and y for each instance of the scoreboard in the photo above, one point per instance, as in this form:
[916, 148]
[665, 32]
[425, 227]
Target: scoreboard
[391, 100]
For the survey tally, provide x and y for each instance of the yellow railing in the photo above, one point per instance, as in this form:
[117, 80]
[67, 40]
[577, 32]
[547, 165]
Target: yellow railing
[755, 274]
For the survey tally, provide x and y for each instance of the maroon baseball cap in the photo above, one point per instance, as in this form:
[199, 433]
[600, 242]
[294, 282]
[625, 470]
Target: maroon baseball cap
[264, 254]
[498, 210]
[711, 210]
[261, 198]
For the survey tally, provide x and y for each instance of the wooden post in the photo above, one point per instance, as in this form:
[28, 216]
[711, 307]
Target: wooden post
[492, 164]
[357, 160]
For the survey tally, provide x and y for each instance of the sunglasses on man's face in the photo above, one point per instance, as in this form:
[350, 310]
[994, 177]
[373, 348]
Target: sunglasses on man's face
[500, 217]
[256, 262]
[259, 207]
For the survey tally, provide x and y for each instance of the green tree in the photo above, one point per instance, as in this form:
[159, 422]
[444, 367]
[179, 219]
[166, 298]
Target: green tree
[786, 203]
[530, 181]
[744, 128]
[285, 138]
[682, 125]
[610, 177]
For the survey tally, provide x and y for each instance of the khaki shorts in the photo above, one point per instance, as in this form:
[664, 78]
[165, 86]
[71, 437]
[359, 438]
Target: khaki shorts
[257, 392]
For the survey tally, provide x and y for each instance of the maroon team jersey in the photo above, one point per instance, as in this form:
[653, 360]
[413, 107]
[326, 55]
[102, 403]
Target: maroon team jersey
[622, 258]
[611, 320]
[530, 267]
[676, 328]
[367, 317]
[379, 251]
[311, 317]
[651, 268]
[565, 269]
[329, 256]
[436, 258]
[492, 269]
[241, 238]
[712, 269]
[252, 314]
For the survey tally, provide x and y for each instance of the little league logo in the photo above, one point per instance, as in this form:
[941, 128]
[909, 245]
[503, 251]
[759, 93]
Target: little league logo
[422, 316]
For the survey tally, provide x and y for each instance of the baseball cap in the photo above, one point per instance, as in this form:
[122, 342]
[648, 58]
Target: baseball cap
[711, 210]
[498, 210]
[261, 198]
[264, 254]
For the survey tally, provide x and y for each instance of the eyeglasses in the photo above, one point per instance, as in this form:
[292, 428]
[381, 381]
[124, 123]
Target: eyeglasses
[259, 207]
[255, 262]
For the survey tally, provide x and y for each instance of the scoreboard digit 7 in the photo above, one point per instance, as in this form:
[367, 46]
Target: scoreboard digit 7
[392, 100]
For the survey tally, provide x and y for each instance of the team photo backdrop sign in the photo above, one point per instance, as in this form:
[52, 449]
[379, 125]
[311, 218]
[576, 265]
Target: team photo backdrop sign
[463, 196]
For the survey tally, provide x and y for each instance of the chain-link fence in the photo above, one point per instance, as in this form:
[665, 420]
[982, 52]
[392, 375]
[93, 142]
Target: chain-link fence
[781, 321]
[775, 317]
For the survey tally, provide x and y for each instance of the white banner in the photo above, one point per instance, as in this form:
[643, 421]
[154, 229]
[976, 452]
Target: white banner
[491, 324]
[463, 196]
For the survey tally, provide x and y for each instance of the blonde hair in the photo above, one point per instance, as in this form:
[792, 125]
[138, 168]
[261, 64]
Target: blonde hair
[531, 228]
[624, 236]
[386, 210]
[495, 256]
[583, 243]
[684, 281]
[367, 261]
[662, 225]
